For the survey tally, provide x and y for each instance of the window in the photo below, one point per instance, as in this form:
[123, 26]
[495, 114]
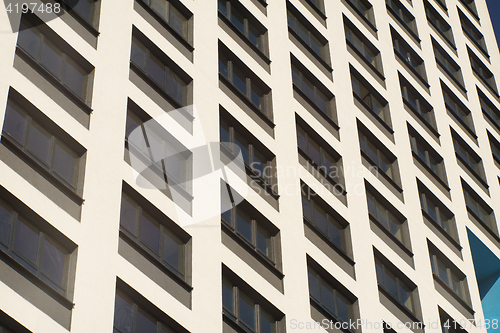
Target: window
[489, 110]
[250, 226]
[404, 16]
[162, 75]
[36, 251]
[382, 212]
[479, 209]
[175, 163]
[448, 64]
[369, 97]
[244, 22]
[50, 152]
[170, 14]
[468, 157]
[495, 147]
[256, 157]
[315, 92]
[4, 329]
[471, 6]
[448, 273]
[132, 317]
[154, 237]
[306, 33]
[417, 104]
[436, 211]
[321, 216]
[365, 9]
[392, 283]
[473, 33]
[482, 71]
[439, 23]
[410, 58]
[241, 308]
[427, 155]
[442, 4]
[457, 108]
[448, 324]
[361, 45]
[327, 296]
[243, 80]
[86, 9]
[55, 59]
[380, 158]
[322, 157]
[318, 4]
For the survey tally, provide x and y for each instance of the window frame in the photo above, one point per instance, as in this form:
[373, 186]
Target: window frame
[400, 13]
[185, 35]
[436, 257]
[441, 26]
[366, 13]
[492, 113]
[471, 160]
[449, 65]
[365, 47]
[472, 9]
[473, 199]
[458, 109]
[495, 148]
[423, 109]
[480, 69]
[416, 141]
[94, 11]
[471, 31]
[406, 53]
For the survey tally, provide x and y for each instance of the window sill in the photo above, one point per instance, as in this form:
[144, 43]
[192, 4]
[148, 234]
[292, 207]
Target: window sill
[367, 21]
[461, 122]
[54, 81]
[86, 24]
[258, 51]
[167, 26]
[422, 119]
[486, 226]
[155, 86]
[383, 123]
[154, 261]
[490, 88]
[441, 230]
[449, 42]
[407, 28]
[389, 179]
[424, 165]
[454, 294]
[317, 109]
[390, 235]
[370, 65]
[474, 173]
[334, 246]
[250, 249]
[248, 102]
[400, 306]
[413, 70]
[473, 40]
[70, 193]
[328, 314]
[338, 186]
[36, 280]
[451, 76]
[314, 54]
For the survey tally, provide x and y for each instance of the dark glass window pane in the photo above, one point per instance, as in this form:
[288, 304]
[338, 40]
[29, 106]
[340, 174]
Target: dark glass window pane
[222, 7]
[267, 323]
[296, 78]
[256, 96]
[244, 224]
[391, 284]
[227, 296]
[29, 40]
[381, 215]
[175, 86]
[264, 241]
[308, 90]
[224, 132]
[254, 35]
[247, 310]
[292, 24]
[124, 314]
[53, 260]
[161, 7]
[304, 34]
[313, 151]
[138, 56]
[15, 123]
[132, 123]
[320, 219]
[334, 231]
[342, 308]
[51, 58]
[26, 241]
[242, 143]
[306, 207]
[145, 323]
[83, 8]
[39, 142]
[5, 223]
[74, 77]
[65, 163]
[156, 71]
[150, 233]
[327, 297]
[172, 251]
[313, 285]
[301, 139]
[405, 296]
[177, 21]
[431, 210]
[239, 80]
[259, 164]
[223, 65]
[371, 206]
[128, 216]
[237, 19]
[321, 101]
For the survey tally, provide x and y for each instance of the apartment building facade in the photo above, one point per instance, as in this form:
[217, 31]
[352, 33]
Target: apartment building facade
[368, 136]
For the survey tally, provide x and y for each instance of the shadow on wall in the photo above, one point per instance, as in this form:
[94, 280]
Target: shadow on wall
[487, 267]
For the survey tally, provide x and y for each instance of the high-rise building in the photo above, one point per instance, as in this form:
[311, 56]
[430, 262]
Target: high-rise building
[370, 135]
